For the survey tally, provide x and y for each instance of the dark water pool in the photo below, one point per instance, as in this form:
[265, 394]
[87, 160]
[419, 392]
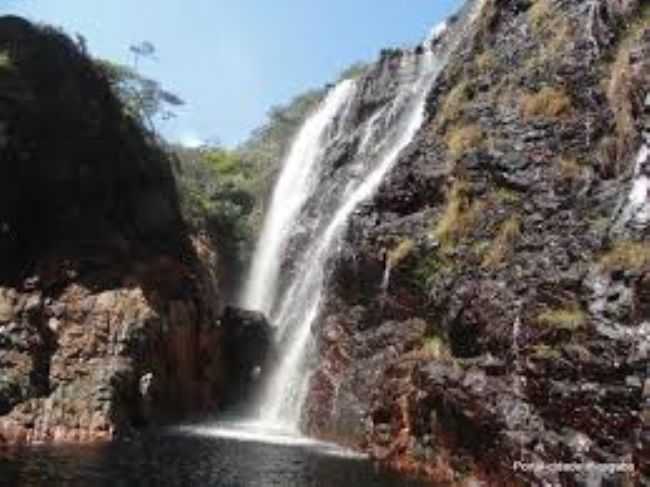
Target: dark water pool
[175, 459]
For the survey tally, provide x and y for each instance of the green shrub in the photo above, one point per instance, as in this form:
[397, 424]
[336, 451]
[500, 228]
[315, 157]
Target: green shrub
[6, 64]
[428, 267]
[216, 190]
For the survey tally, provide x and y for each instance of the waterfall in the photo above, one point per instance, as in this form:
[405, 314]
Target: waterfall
[315, 197]
[297, 182]
[637, 210]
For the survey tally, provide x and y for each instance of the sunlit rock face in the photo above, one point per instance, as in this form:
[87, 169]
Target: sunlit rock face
[511, 322]
[108, 309]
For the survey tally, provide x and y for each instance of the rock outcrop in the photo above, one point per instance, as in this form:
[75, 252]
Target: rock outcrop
[108, 309]
[512, 243]
[248, 352]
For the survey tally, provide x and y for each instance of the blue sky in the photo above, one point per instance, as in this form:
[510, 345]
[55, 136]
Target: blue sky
[231, 60]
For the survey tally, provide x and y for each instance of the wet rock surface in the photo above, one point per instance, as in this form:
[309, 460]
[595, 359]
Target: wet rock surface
[248, 352]
[108, 308]
[511, 324]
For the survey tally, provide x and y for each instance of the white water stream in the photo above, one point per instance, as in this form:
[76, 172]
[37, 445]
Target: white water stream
[312, 204]
[297, 308]
[297, 182]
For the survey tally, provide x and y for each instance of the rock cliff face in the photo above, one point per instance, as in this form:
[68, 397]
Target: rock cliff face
[248, 352]
[490, 305]
[108, 309]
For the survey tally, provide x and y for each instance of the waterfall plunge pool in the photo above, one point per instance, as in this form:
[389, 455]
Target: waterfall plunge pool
[210, 456]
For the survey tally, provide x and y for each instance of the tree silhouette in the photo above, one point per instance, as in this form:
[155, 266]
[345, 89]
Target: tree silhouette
[143, 50]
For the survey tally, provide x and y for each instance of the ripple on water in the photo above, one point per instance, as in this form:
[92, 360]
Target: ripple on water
[205, 456]
[259, 432]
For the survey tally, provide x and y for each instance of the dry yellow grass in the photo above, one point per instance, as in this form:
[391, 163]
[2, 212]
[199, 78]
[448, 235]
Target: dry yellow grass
[619, 84]
[551, 25]
[569, 317]
[545, 352]
[463, 138]
[458, 217]
[509, 232]
[627, 255]
[539, 14]
[400, 252]
[619, 94]
[556, 35]
[569, 168]
[506, 196]
[452, 107]
[434, 348]
[549, 102]
[485, 61]
[620, 101]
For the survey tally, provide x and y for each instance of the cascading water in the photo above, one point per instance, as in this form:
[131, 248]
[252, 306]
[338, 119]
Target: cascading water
[636, 211]
[297, 182]
[298, 307]
[314, 199]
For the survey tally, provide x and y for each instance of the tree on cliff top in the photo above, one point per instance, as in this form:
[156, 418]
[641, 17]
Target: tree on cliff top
[143, 98]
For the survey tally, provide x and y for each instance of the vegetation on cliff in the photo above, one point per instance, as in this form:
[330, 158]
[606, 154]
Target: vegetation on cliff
[516, 230]
[217, 192]
[142, 98]
[222, 191]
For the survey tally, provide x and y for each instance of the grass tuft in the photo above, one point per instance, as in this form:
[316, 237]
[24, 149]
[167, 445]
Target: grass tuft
[507, 196]
[545, 352]
[570, 317]
[539, 14]
[452, 107]
[459, 216]
[400, 252]
[569, 168]
[548, 102]
[461, 140]
[486, 61]
[503, 244]
[434, 348]
[619, 85]
[627, 255]
[429, 267]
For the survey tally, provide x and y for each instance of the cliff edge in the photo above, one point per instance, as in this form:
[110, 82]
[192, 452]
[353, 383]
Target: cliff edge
[108, 307]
